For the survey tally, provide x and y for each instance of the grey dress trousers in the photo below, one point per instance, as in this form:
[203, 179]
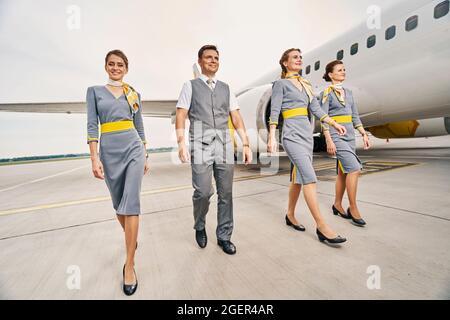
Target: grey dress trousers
[297, 138]
[346, 157]
[211, 153]
[122, 153]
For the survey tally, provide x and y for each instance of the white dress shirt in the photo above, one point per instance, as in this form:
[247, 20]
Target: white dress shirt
[184, 101]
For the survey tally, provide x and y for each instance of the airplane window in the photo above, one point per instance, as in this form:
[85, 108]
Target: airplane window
[441, 9]
[354, 49]
[390, 32]
[411, 23]
[308, 69]
[340, 55]
[371, 41]
[317, 65]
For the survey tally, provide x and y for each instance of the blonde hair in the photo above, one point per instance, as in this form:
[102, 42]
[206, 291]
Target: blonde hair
[284, 58]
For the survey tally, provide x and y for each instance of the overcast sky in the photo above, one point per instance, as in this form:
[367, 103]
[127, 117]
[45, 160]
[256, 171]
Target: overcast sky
[43, 58]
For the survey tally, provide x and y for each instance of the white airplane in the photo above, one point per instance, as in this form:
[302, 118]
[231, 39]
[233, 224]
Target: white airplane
[399, 74]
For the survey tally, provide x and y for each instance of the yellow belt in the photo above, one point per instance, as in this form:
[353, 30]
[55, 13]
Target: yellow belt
[295, 112]
[117, 126]
[342, 119]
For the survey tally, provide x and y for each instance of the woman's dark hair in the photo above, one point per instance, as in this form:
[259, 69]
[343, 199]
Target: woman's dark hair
[284, 58]
[330, 68]
[207, 47]
[118, 53]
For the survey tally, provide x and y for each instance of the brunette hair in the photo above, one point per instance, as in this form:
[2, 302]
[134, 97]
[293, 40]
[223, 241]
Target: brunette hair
[330, 68]
[284, 58]
[118, 53]
[207, 47]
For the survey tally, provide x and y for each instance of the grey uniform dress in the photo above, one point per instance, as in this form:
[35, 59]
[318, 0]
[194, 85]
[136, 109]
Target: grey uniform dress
[345, 145]
[297, 139]
[121, 152]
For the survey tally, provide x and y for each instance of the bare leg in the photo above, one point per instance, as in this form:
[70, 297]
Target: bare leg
[340, 190]
[294, 193]
[121, 219]
[131, 232]
[352, 186]
[310, 193]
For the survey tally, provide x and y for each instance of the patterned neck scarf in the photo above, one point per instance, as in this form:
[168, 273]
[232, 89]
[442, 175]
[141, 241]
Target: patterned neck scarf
[305, 83]
[132, 97]
[129, 92]
[338, 89]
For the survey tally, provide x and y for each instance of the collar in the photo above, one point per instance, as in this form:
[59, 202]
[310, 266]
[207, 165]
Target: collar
[338, 86]
[292, 75]
[205, 78]
[115, 83]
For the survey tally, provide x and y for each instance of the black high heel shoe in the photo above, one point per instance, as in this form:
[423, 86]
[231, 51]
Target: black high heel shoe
[336, 212]
[296, 227]
[129, 289]
[360, 222]
[323, 238]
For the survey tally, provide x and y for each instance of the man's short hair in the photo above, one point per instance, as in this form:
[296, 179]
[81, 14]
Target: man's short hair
[207, 47]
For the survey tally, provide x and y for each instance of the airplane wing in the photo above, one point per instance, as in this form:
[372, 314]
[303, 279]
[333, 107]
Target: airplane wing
[150, 108]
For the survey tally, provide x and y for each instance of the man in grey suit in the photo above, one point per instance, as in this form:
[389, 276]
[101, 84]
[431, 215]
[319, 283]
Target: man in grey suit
[212, 108]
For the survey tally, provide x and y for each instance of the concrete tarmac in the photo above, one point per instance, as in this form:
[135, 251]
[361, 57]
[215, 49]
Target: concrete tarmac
[59, 237]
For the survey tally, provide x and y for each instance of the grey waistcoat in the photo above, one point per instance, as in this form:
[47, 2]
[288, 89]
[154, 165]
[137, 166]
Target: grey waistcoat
[209, 112]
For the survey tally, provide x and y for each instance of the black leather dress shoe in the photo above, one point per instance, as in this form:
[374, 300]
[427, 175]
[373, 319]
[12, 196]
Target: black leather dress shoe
[323, 238]
[129, 289]
[336, 212]
[227, 246]
[202, 239]
[359, 222]
[295, 226]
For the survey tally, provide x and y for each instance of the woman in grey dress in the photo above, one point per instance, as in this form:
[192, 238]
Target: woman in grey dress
[122, 159]
[293, 97]
[338, 102]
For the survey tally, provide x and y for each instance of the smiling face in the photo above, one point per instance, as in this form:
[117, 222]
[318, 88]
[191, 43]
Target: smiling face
[209, 62]
[338, 74]
[116, 67]
[294, 61]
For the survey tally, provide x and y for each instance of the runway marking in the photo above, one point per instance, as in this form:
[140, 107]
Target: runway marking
[318, 168]
[106, 198]
[84, 201]
[421, 157]
[42, 179]
[187, 206]
[113, 219]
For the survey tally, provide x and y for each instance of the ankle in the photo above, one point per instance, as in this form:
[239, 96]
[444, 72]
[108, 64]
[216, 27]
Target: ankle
[321, 225]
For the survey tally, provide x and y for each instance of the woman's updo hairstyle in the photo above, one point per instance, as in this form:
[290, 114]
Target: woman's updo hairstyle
[330, 68]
